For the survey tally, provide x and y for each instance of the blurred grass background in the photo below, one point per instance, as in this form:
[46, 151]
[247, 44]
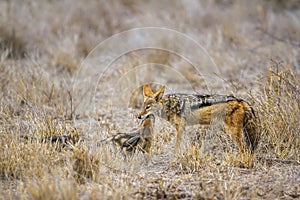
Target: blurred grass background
[255, 45]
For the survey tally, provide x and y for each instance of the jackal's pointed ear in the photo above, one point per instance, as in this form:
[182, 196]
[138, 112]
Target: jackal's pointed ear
[147, 91]
[159, 94]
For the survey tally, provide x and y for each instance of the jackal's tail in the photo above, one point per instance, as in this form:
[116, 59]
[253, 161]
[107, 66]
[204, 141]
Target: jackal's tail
[251, 127]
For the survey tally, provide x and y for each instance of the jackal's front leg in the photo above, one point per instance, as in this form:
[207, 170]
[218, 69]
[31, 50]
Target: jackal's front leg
[180, 128]
[148, 155]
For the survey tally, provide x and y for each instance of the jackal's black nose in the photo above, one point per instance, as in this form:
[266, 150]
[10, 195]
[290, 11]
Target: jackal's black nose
[139, 117]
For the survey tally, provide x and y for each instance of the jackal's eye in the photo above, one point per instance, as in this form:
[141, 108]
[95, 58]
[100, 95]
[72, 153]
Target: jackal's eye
[148, 107]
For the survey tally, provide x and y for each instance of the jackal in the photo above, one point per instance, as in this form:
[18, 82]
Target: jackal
[138, 140]
[237, 116]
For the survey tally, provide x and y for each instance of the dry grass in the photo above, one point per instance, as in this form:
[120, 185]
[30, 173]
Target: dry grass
[41, 54]
[279, 106]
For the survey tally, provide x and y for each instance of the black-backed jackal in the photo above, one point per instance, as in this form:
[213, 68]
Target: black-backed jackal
[237, 116]
[138, 140]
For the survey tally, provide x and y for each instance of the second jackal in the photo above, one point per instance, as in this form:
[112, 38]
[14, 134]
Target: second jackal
[139, 139]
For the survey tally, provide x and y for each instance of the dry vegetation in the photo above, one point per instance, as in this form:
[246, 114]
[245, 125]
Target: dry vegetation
[255, 45]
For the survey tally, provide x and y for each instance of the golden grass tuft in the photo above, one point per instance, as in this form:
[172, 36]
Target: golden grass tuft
[192, 160]
[279, 112]
[50, 187]
[86, 166]
[246, 160]
[23, 159]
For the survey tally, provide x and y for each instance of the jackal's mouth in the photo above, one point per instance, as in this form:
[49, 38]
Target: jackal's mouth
[146, 116]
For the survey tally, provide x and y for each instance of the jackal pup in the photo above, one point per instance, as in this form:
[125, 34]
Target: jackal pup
[138, 140]
[237, 116]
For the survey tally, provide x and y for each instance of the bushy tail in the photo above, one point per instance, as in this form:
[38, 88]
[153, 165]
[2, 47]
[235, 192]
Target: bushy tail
[251, 127]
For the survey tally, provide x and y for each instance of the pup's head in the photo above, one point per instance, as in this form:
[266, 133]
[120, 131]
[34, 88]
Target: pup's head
[152, 101]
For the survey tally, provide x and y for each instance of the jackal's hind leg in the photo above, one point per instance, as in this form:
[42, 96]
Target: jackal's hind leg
[234, 125]
[236, 135]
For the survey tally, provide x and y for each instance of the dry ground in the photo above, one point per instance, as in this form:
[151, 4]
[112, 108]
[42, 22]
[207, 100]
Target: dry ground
[53, 84]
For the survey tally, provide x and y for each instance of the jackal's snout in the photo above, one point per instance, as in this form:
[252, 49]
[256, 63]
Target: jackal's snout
[142, 114]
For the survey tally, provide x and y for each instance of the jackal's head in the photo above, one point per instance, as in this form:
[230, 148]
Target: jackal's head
[148, 119]
[152, 101]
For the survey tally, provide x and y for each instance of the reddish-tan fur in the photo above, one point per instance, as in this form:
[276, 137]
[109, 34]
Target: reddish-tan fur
[185, 109]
